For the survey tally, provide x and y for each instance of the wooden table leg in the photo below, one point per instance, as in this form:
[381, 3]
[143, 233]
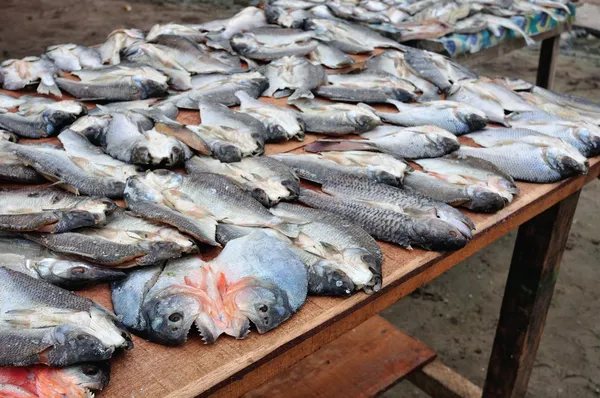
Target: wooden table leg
[547, 62]
[529, 287]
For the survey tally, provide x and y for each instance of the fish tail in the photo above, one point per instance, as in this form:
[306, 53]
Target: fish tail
[339, 145]
[288, 229]
[46, 89]
[300, 93]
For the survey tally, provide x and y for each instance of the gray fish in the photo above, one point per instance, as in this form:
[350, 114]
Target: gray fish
[174, 29]
[561, 111]
[393, 62]
[14, 170]
[330, 56]
[45, 324]
[470, 25]
[40, 263]
[73, 173]
[287, 18]
[268, 180]
[437, 69]
[49, 209]
[15, 74]
[403, 142]
[527, 162]
[221, 89]
[272, 42]
[125, 241]
[294, 77]
[228, 144]
[513, 83]
[116, 41]
[255, 279]
[336, 119]
[469, 182]
[8, 136]
[368, 87]
[41, 120]
[281, 123]
[70, 57]
[486, 103]
[9, 102]
[215, 114]
[351, 248]
[455, 117]
[223, 30]
[378, 167]
[574, 102]
[390, 225]
[349, 37]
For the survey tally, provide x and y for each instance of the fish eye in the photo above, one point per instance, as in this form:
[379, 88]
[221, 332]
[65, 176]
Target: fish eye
[263, 308]
[80, 337]
[453, 234]
[90, 370]
[367, 258]
[175, 317]
[77, 270]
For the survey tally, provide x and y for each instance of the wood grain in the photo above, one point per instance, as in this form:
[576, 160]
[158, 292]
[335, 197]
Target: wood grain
[440, 381]
[362, 363]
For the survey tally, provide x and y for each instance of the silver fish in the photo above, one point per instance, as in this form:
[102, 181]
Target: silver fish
[294, 77]
[330, 56]
[561, 111]
[125, 241]
[349, 37]
[495, 23]
[8, 136]
[572, 101]
[9, 102]
[223, 30]
[269, 181]
[281, 123]
[483, 101]
[436, 68]
[378, 167]
[215, 114]
[49, 209]
[40, 263]
[530, 163]
[18, 73]
[393, 62]
[455, 117]
[177, 30]
[118, 40]
[390, 225]
[368, 87]
[53, 326]
[269, 43]
[70, 57]
[287, 18]
[164, 304]
[14, 170]
[336, 119]
[39, 120]
[228, 144]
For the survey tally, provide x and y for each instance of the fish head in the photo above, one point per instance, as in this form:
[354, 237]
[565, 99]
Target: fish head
[55, 120]
[474, 118]
[363, 120]
[75, 274]
[98, 208]
[441, 138]
[160, 150]
[563, 162]
[244, 43]
[327, 279]
[264, 304]
[91, 375]
[163, 179]
[435, 234]
[226, 152]
[170, 315]
[485, 200]
[149, 88]
[72, 344]
[362, 266]
[590, 138]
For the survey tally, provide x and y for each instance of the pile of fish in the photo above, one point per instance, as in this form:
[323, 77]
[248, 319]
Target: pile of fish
[393, 167]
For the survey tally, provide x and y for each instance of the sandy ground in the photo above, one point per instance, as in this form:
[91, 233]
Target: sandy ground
[457, 313]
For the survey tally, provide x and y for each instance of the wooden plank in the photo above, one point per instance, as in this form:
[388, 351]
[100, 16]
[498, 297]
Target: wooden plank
[547, 62]
[529, 288]
[440, 381]
[364, 362]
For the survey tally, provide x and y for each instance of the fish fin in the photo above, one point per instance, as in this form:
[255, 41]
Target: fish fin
[339, 145]
[288, 229]
[301, 93]
[46, 89]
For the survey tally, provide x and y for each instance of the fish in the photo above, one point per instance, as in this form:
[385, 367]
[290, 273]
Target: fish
[116, 41]
[228, 144]
[293, 76]
[437, 69]
[125, 241]
[480, 99]
[390, 225]
[349, 37]
[335, 118]
[221, 88]
[466, 181]
[581, 135]
[174, 29]
[50, 209]
[44, 324]
[123, 139]
[116, 83]
[417, 30]
[74, 174]
[470, 25]
[14, 170]
[266, 179]
[267, 43]
[9, 102]
[34, 260]
[495, 23]
[353, 251]
[287, 18]
[70, 57]
[513, 84]
[215, 114]
[449, 12]
[43, 381]
[393, 62]
[367, 87]
[8, 136]
[42, 120]
[574, 102]
[561, 111]
[281, 123]
[255, 279]
[330, 57]
[529, 163]
[402, 142]
[455, 117]
[221, 31]
[379, 167]
[18, 73]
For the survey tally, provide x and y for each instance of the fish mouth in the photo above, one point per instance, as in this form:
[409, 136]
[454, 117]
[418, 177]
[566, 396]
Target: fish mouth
[485, 201]
[476, 122]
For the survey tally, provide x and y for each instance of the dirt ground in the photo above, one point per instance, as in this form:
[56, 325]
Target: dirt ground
[457, 313]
